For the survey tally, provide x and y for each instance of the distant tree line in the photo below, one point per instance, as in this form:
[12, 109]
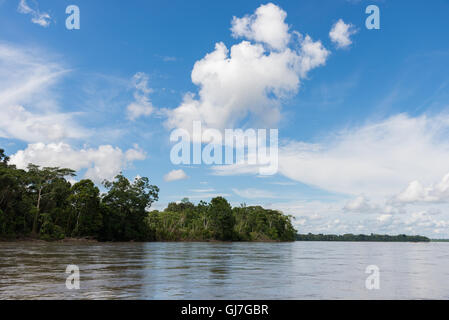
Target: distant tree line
[361, 237]
[40, 203]
[218, 220]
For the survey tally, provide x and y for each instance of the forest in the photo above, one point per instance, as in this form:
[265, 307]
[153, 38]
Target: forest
[40, 203]
[361, 237]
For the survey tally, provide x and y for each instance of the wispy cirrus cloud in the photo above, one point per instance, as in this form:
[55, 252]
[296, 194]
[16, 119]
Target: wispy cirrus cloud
[141, 106]
[202, 190]
[30, 111]
[29, 107]
[40, 18]
[252, 193]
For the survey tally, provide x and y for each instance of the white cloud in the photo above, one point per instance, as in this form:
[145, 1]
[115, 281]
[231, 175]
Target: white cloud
[28, 107]
[136, 153]
[101, 163]
[413, 193]
[322, 216]
[424, 220]
[416, 192]
[266, 25]
[201, 196]
[253, 193]
[235, 169]
[341, 32]
[25, 76]
[309, 216]
[41, 18]
[175, 175]
[376, 159]
[16, 122]
[203, 190]
[360, 205]
[141, 106]
[384, 218]
[249, 80]
[312, 55]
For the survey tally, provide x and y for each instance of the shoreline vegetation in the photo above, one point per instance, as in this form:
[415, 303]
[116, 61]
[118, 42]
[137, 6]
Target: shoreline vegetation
[361, 238]
[299, 238]
[41, 204]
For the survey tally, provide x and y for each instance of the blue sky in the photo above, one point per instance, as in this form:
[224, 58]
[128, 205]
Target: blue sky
[362, 130]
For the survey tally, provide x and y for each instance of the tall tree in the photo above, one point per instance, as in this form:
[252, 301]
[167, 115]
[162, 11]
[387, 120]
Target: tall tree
[125, 206]
[85, 204]
[40, 179]
[14, 204]
[222, 219]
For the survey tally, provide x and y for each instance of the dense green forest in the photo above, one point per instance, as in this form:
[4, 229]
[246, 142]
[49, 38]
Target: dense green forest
[41, 203]
[360, 237]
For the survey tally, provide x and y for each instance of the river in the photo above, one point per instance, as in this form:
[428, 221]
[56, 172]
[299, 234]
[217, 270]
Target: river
[297, 270]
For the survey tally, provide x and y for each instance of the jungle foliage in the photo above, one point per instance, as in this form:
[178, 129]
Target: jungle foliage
[41, 203]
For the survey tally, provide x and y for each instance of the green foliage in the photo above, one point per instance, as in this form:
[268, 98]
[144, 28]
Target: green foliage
[40, 202]
[15, 203]
[124, 208]
[256, 223]
[46, 186]
[85, 216]
[50, 231]
[218, 221]
[221, 219]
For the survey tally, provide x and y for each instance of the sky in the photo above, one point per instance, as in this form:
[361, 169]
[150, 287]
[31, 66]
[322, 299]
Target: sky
[362, 114]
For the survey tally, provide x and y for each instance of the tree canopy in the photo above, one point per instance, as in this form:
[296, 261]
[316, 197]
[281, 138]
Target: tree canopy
[40, 202]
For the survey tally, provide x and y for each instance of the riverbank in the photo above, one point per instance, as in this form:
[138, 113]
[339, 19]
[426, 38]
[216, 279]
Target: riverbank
[91, 240]
[299, 237]
[361, 238]
[33, 239]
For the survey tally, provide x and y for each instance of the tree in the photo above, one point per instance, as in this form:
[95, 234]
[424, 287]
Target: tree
[85, 205]
[40, 181]
[14, 202]
[222, 219]
[125, 207]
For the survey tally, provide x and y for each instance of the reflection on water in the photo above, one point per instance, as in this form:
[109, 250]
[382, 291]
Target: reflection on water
[299, 270]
